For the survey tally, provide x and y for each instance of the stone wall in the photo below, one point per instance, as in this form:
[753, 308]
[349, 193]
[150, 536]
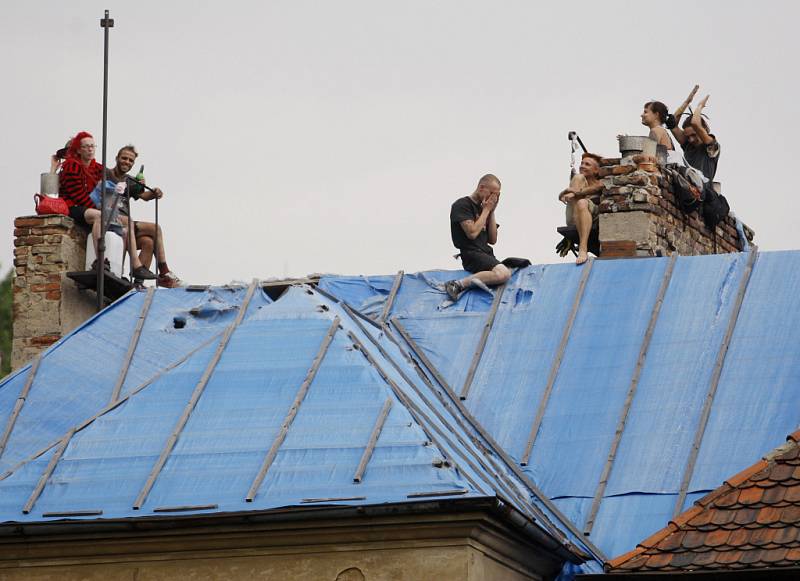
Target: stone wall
[639, 215]
[441, 546]
[47, 304]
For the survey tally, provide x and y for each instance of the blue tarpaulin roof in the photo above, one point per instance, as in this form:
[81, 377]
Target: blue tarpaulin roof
[226, 409]
[734, 399]
[613, 394]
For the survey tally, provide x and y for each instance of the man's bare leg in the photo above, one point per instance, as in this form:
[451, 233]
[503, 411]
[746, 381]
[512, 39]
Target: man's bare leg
[498, 275]
[92, 218]
[137, 269]
[583, 222]
[148, 230]
[145, 244]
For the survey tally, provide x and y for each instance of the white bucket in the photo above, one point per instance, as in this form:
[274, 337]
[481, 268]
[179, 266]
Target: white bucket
[115, 253]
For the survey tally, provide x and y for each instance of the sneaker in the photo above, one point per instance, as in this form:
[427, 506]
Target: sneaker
[169, 280]
[143, 273]
[453, 289]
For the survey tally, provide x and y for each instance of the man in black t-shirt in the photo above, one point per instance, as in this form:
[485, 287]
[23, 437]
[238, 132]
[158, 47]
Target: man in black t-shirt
[473, 229]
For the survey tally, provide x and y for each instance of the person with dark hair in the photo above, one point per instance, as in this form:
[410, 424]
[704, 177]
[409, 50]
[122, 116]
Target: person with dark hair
[79, 174]
[582, 198]
[473, 229]
[654, 116]
[700, 146]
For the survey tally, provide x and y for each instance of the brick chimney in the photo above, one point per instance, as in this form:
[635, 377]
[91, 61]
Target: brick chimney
[639, 215]
[46, 304]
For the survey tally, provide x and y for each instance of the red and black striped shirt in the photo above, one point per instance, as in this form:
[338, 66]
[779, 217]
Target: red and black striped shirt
[76, 181]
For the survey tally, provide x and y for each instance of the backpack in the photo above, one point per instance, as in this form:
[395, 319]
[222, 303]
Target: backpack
[689, 187]
[715, 207]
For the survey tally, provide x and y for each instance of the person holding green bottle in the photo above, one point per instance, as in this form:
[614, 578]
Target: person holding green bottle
[146, 233]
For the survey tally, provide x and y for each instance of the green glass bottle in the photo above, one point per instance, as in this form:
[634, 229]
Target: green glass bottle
[140, 175]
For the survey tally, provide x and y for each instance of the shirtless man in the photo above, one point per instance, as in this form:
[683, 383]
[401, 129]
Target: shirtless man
[581, 198]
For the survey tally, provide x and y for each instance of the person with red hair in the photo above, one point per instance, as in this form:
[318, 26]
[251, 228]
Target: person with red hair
[79, 174]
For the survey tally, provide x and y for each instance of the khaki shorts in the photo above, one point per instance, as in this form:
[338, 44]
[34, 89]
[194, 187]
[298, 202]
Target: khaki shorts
[593, 209]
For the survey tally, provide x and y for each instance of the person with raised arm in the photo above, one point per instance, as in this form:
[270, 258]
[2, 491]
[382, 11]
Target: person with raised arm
[700, 146]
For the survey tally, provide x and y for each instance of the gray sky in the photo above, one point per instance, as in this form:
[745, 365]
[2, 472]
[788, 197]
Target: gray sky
[298, 137]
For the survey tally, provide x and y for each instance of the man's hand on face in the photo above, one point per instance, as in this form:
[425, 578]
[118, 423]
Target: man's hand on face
[491, 202]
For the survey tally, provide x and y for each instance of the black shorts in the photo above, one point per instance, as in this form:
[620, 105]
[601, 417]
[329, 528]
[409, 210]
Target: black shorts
[76, 213]
[478, 261]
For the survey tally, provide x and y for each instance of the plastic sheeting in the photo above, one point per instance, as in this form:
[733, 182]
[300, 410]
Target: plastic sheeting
[424, 448]
[754, 407]
[77, 375]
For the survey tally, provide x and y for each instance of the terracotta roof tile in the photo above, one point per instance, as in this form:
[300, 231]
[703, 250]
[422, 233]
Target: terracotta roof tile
[774, 495]
[691, 540]
[781, 472]
[740, 537]
[717, 538]
[750, 495]
[745, 516]
[686, 516]
[792, 456]
[793, 554]
[705, 559]
[728, 557]
[672, 542]
[792, 494]
[774, 556]
[768, 515]
[786, 535]
[761, 537]
[751, 521]
[658, 561]
[790, 515]
[727, 500]
[746, 474]
[712, 496]
[658, 536]
[722, 517]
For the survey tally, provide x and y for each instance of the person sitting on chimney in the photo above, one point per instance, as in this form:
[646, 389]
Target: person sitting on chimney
[144, 232]
[473, 230]
[79, 174]
[141, 239]
[700, 146]
[582, 200]
[654, 116]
